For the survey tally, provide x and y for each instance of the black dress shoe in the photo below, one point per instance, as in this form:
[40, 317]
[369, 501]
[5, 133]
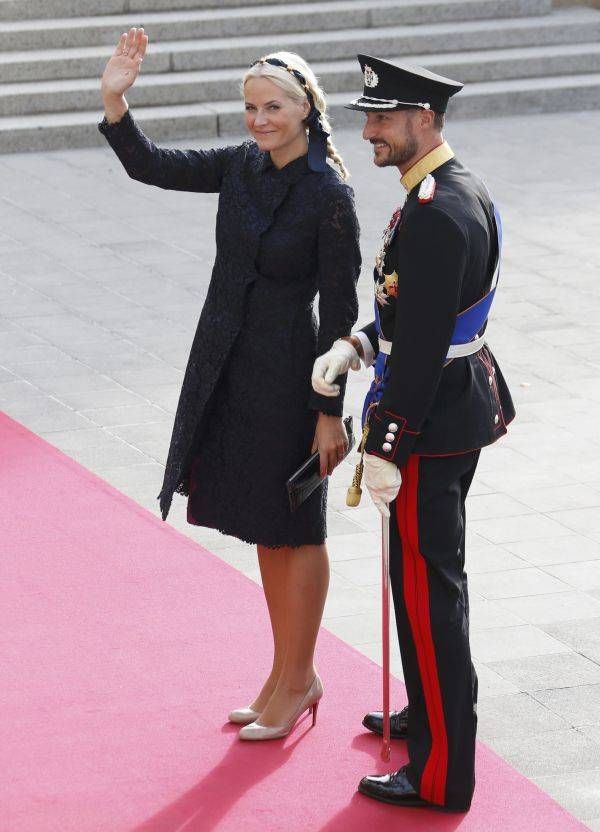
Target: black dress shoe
[391, 788]
[395, 788]
[398, 723]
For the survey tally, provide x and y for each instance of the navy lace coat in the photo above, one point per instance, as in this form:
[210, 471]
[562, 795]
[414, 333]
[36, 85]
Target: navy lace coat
[246, 414]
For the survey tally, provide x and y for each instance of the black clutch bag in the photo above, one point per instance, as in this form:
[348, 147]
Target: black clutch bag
[303, 482]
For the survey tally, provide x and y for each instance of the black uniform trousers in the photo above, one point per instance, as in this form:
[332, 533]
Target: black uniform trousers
[429, 586]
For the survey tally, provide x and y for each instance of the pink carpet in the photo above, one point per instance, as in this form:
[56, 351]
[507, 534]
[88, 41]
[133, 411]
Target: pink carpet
[124, 645]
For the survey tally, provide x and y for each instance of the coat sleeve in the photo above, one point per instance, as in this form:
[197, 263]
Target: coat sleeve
[432, 257]
[369, 339]
[339, 259]
[176, 170]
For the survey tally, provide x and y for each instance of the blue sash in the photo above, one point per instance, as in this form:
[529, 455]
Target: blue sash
[469, 322]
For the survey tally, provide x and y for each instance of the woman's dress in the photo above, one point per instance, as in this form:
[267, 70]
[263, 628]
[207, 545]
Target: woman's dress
[256, 412]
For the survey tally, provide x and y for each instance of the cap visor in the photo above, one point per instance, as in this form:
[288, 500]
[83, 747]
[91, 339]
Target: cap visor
[369, 106]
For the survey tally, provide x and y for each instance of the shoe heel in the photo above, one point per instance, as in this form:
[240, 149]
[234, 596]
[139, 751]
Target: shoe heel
[314, 712]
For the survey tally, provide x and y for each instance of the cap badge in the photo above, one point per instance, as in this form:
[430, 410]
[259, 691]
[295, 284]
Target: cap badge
[371, 77]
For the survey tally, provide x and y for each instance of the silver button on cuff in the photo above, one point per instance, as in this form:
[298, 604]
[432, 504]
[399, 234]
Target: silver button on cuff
[393, 427]
[389, 437]
[386, 447]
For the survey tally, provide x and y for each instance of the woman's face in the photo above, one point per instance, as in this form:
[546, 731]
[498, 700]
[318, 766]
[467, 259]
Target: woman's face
[272, 118]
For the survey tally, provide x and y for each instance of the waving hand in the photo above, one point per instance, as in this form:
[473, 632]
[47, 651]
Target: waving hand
[122, 70]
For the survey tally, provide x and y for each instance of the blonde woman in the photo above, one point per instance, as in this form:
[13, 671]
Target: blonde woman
[247, 416]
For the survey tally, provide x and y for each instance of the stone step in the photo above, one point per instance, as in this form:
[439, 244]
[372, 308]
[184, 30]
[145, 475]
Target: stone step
[204, 86]
[261, 20]
[45, 9]
[56, 131]
[571, 25]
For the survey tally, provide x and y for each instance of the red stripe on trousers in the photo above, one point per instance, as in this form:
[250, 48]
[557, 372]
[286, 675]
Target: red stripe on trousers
[416, 598]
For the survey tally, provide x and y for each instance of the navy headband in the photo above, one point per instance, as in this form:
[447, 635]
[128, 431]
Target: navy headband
[317, 135]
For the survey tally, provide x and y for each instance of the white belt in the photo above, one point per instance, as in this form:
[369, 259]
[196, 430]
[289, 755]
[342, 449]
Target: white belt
[455, 350]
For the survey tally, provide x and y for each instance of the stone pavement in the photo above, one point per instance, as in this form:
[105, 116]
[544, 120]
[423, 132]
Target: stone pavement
[101, 283]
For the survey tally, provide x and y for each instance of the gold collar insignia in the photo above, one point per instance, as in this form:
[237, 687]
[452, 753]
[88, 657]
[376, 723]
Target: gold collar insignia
[440, 154]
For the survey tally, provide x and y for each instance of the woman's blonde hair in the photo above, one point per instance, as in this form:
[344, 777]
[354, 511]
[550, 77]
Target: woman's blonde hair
[294, 90]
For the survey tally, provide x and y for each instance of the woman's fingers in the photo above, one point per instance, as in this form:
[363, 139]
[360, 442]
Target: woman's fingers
[333, 462]
[332, 443]
[121, 44]
[132, 48]
[136, 52]
[323, 463]
[130, 39]
[330, 458]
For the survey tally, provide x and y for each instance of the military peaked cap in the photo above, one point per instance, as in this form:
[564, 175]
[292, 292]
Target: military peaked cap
[400, 86]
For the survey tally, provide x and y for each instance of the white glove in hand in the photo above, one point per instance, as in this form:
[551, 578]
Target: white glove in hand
[330, 365]
[383, 480]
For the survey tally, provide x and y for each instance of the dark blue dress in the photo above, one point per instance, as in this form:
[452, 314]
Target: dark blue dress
[247, 413]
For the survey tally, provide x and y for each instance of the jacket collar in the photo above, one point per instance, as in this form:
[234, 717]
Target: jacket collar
[290, 172]
[434, 159]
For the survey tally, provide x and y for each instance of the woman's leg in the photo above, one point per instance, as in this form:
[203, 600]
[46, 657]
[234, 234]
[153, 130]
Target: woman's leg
[306, 591]
[273, 570]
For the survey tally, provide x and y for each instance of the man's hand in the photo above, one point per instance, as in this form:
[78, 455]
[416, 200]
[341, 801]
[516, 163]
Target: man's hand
[330, 365]
[383, 480]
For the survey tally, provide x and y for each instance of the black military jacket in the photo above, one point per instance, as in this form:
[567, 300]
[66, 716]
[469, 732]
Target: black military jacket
[440, 261]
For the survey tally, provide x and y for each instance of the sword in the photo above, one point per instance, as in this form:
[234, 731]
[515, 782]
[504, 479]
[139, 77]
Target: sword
[385, 633]
[353, 499]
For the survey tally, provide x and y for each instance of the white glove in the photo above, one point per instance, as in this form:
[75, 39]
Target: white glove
[330, 365]
[383, 480]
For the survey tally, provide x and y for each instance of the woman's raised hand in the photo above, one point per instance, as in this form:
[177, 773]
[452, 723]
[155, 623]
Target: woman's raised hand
[123, 67]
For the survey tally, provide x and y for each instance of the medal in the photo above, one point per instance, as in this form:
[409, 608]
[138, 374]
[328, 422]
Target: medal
[387, 239]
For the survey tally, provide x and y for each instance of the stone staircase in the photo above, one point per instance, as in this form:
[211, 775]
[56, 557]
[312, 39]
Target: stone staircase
[516, 56]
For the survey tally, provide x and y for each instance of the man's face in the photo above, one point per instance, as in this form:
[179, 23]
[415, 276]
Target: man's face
[393, 136]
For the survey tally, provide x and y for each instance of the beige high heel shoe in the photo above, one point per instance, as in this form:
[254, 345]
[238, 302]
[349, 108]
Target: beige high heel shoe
[310, 701]
[243, 716]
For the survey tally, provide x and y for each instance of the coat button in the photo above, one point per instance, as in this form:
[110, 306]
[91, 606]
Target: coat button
[389, 437]
[386, 447]
[491, 380]
[496, 419]
[393, 427]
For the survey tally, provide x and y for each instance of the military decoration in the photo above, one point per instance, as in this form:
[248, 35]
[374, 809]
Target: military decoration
[387, 239]
[387, 288]
[390, 284]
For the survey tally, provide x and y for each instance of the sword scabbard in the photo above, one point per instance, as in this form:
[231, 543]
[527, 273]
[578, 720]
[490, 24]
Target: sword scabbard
[385, 633]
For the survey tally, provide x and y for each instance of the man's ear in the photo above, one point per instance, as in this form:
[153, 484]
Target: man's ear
[426, 118]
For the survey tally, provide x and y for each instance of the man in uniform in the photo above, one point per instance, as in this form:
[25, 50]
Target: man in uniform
[437, 399]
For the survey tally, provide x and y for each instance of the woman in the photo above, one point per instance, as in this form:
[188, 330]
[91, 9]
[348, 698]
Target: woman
[247, 417]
